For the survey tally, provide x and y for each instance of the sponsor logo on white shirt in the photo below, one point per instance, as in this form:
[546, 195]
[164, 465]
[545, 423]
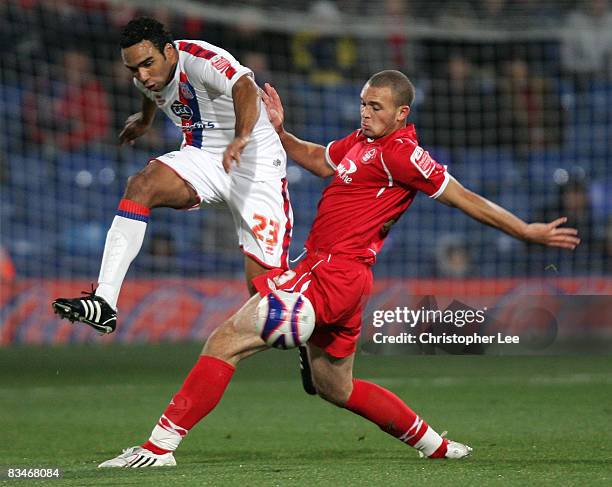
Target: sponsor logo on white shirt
[181, 110]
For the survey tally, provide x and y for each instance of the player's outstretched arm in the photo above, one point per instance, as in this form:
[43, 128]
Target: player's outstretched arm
[485, 211]
[138, 123]
[307, 154]
[245, 95]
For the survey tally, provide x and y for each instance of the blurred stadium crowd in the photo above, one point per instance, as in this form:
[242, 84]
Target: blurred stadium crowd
[515, 96]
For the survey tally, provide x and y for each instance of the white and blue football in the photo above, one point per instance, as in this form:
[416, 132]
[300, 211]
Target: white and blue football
[285, 320]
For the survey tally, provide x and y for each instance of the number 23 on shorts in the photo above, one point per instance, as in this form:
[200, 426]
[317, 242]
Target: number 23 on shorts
[265, 229]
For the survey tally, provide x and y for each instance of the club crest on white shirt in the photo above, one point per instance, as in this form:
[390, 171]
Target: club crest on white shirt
[186, 91]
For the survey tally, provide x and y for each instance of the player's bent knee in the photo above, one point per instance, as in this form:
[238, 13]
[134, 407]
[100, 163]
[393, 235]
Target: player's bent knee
[232, 341]
[336, 393]
[336, 397]
[222, 342]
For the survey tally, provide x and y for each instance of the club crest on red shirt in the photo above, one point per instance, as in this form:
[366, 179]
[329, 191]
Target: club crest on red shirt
[368, 156]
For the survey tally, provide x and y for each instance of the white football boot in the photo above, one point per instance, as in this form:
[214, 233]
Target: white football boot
[138, 457]
[457, 450]
[454, 449]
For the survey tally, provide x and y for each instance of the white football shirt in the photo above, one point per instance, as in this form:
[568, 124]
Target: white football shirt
[198, 100]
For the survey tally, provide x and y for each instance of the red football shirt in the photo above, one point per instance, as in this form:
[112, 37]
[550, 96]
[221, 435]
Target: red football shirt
[376, 180]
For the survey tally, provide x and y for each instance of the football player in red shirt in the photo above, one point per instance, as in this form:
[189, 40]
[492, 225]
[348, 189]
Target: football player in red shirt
[377, 171]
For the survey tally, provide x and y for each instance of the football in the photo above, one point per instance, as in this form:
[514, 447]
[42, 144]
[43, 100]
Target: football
[285, 320]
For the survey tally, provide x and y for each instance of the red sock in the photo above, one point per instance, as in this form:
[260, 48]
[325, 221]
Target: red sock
[198, 396]
[393, 416]
[201, 391]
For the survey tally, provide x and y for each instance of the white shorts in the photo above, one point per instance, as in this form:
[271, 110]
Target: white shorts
[261, 210]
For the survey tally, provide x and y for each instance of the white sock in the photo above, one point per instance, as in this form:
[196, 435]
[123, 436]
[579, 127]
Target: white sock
[429, 442]
[123, 242]
[167, 435]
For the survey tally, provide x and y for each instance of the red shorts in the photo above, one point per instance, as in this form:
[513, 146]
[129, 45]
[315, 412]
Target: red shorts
[338, 289]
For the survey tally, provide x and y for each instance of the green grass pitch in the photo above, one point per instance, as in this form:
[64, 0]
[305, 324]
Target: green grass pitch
[531, 420]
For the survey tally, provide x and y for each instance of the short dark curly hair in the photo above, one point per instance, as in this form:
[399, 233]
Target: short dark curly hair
[145, 29]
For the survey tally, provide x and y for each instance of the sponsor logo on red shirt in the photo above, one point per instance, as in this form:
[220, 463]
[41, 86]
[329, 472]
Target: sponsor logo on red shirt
[423, 161]
[345, 168]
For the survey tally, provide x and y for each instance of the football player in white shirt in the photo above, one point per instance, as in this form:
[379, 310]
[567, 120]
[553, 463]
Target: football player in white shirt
[230, 154]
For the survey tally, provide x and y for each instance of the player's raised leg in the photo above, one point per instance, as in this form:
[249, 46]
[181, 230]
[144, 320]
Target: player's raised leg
[333, 379]
[202, 390]
[155, 186]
